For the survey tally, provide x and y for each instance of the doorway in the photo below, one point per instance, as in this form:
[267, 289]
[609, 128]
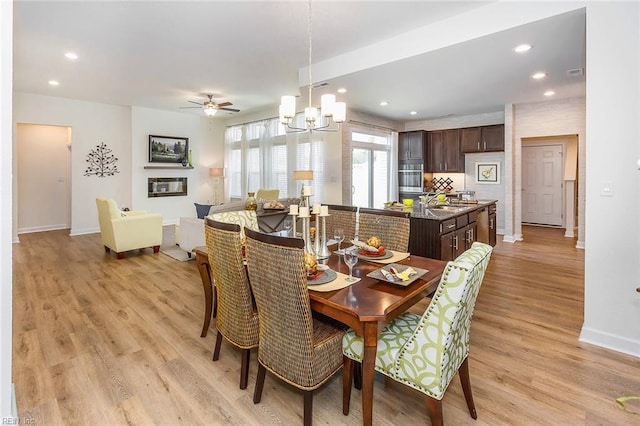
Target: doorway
[43, 178]
[370, 169]
[542, 184]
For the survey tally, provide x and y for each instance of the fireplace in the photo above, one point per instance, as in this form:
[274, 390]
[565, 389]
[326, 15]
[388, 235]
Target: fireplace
[166, 187]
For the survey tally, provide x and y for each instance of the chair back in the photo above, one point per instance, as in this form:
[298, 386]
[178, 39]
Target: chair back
[341, 217]
[391, 227]
[244, 218]
[279, 282]
[440, 343]
[267, 194]
[235, 319]
[107, 211]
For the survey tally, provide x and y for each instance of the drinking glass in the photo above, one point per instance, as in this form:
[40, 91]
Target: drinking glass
[287, 225]
[351, 258]
[338, 235]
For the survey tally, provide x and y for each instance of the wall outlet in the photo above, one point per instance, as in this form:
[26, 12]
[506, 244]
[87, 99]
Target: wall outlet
[606, 188]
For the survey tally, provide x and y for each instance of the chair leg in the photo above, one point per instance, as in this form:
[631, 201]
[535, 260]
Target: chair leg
[156, 249]
[120, 255]
[107, 249]
[347, 376]
[216, 351]
[308, 408]
[435, 411]
[357, 375]
[257, 393]
[215, 301]
[466, 387]
[244, 369]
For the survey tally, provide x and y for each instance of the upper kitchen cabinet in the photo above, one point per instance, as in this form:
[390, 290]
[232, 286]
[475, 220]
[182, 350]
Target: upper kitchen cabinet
[411, 145]
[482, 139]
[444, 154]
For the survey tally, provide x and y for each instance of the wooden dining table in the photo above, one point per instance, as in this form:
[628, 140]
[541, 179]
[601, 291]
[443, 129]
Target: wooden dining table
[365, 305]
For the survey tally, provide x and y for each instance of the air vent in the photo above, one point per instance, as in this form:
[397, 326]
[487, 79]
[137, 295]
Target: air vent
[324, 83]
[577, 72]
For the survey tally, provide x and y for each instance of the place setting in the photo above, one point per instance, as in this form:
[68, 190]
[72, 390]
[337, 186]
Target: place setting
[322, 278]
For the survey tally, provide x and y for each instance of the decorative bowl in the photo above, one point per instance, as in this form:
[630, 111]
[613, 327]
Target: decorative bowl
[407, 202]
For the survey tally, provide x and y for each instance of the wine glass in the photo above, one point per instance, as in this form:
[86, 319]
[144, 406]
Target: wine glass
[287, 225]
[338, 235]
[351, 258]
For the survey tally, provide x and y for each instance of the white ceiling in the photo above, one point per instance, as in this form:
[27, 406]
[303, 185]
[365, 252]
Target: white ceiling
[164, 54]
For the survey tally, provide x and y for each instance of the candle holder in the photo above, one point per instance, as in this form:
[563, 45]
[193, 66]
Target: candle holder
[294, 219]
[322, 252]
[308, 247]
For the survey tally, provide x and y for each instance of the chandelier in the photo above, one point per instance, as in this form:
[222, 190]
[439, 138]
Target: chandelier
[330, 110]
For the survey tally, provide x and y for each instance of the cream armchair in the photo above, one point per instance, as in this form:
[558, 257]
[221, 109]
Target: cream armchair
[124, 231]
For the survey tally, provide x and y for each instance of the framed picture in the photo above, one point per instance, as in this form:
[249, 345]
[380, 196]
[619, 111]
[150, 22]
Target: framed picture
[488, 172]
[168, 149]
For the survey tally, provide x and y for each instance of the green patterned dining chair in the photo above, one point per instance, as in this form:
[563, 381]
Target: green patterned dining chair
[425, 352]
[295, 346]
[237, 319]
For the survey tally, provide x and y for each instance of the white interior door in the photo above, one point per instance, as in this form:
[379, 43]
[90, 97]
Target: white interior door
[542, 184]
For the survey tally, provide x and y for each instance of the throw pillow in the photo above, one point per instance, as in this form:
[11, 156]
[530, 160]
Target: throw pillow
[202, 210]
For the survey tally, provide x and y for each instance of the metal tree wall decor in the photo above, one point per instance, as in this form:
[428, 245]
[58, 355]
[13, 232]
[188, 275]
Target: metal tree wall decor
[101, 162]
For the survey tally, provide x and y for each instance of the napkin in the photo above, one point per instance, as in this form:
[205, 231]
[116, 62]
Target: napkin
[364, 246]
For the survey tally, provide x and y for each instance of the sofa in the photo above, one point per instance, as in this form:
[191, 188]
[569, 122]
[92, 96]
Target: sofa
[191, 232]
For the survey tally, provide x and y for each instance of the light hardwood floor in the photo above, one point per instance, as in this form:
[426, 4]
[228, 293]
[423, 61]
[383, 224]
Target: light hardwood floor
[100, 341]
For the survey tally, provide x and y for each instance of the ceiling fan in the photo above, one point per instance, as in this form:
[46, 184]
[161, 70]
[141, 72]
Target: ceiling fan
[210, 107]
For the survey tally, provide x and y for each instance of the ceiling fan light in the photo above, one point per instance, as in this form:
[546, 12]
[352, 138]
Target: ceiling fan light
[210, 111]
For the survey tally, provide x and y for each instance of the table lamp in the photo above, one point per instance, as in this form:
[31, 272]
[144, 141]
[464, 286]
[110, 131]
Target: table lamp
[306, 191]
[216, 173]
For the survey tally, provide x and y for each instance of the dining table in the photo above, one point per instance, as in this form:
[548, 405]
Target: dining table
[370, 302]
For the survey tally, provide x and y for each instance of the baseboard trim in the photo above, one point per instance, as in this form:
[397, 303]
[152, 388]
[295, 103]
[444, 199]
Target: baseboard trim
[610, 341]
[75, 232]
[14, 404]
[580, 244]
[44, 228]
[509, 239]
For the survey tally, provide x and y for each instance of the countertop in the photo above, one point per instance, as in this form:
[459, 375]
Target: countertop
[444, 212]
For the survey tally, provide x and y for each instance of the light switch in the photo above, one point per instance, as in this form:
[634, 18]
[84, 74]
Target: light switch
[606, 188]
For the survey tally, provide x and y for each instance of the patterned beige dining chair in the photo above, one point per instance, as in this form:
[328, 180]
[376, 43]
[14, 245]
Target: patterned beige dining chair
[237, 320]
[244, 218]
[390, 226]
[294, 346]
[425, 352]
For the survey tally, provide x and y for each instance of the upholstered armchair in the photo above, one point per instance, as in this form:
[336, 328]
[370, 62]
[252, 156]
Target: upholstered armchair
[124, 231]
[425, 352]
[267, 194]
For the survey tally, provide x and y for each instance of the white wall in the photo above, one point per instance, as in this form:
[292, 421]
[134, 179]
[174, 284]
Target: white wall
[612, 254]
[91, 123]
[548, 119]
[206, 141]
[43, 175]
[6, 208]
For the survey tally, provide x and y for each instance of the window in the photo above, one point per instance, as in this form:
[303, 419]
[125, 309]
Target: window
[371, 167]
[262, 155]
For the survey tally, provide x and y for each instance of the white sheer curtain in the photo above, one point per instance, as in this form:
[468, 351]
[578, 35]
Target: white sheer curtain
[262, 155]
[393, 169]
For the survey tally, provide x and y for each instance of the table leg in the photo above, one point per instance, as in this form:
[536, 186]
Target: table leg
[368, 370]
[202, 261]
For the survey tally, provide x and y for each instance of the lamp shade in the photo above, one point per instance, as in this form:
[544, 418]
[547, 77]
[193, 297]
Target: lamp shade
[303, 174]
[210, 111]
[216, 172]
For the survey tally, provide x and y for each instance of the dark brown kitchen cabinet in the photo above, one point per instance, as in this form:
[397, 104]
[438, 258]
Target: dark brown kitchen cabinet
[444, 154]
[411, 145]
[482, 139]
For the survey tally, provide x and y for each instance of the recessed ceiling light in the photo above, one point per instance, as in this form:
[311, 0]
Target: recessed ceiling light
[342, 90]
[522, 48]
[70, 55]
[384, 103]
[539, 75]
[549, 93]
[54, 83]
[413, 112]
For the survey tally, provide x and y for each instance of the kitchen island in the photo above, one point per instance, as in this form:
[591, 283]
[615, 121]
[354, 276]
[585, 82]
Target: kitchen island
[444, 232]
